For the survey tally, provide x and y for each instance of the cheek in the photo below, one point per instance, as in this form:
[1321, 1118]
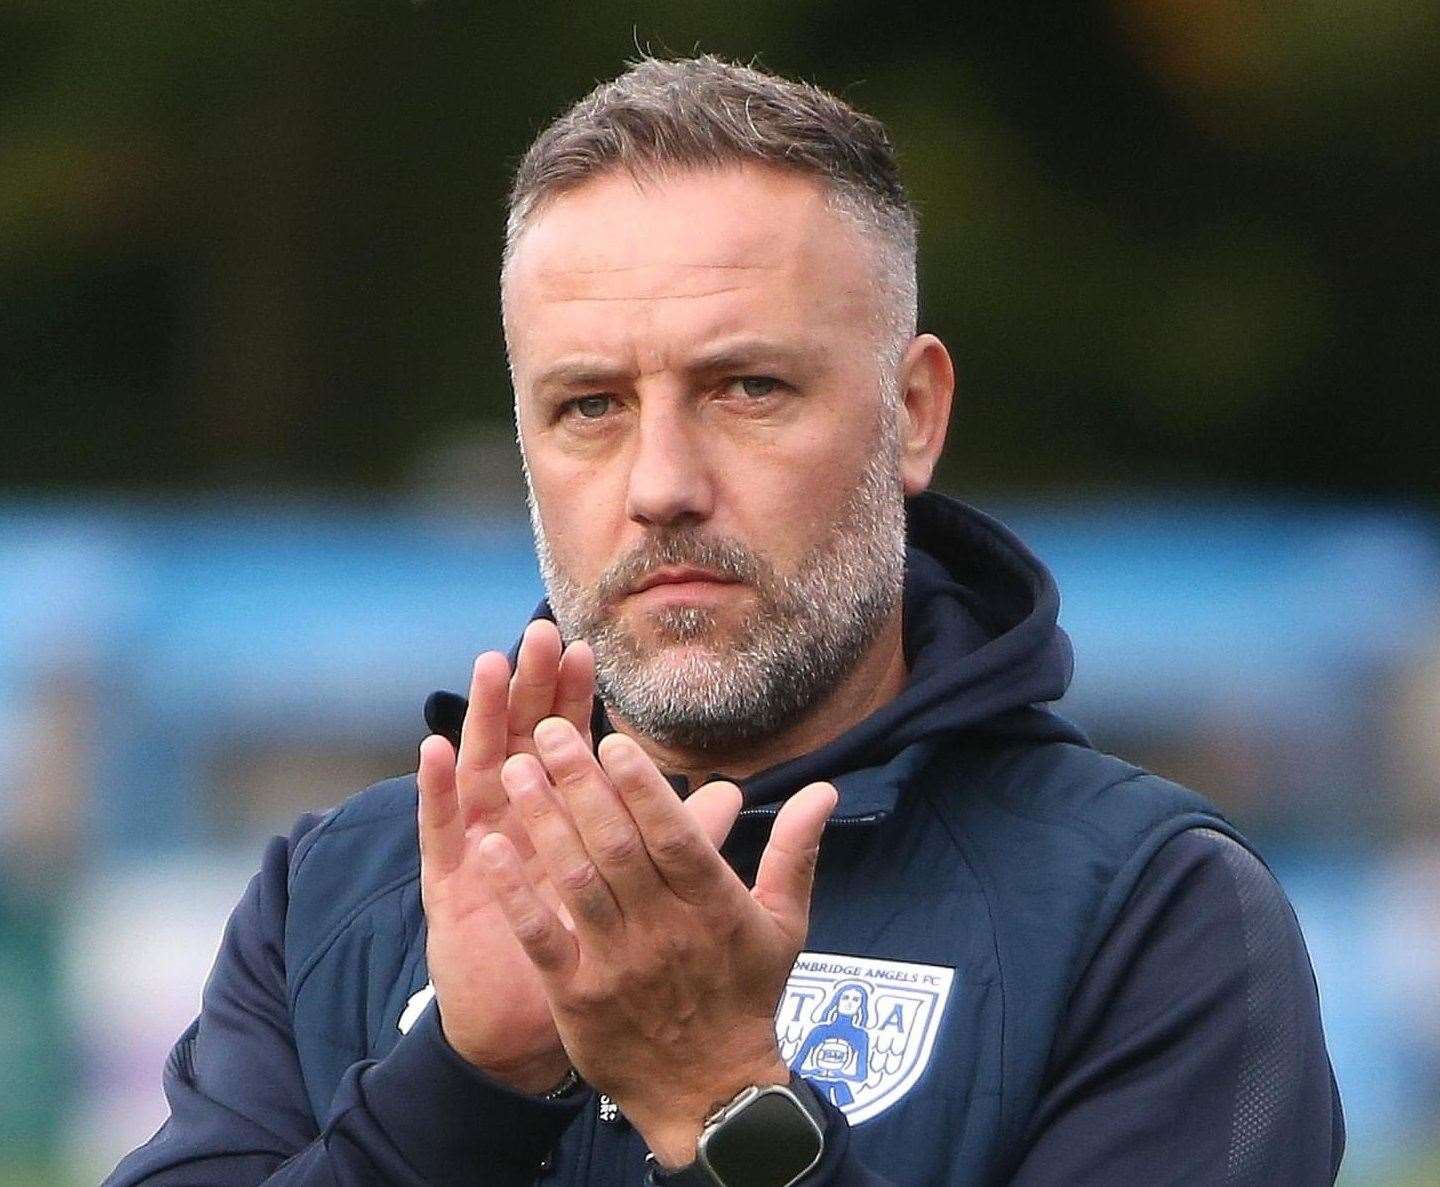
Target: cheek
[781, 512]
[582, 518]
[802, 487]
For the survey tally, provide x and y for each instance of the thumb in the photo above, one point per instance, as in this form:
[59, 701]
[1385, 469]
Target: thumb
[715, 807]
[787, 867]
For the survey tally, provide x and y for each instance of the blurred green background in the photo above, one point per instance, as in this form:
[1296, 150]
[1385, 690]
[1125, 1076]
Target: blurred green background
[1182, 254]
[257, 243]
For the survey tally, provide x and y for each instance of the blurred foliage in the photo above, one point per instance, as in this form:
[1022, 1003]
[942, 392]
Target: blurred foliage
[33, 1047]
[249, 242]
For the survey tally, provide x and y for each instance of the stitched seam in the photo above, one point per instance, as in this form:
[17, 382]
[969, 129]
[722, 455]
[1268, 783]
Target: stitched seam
[343, 926]
[939, 805]
[339, 820]
[1060, 820]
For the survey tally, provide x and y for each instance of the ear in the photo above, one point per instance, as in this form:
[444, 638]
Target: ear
[928, 385]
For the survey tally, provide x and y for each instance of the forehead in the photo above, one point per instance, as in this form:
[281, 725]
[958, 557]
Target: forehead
[700, 252]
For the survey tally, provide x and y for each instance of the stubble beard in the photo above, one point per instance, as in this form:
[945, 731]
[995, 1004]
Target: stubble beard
[695, 686]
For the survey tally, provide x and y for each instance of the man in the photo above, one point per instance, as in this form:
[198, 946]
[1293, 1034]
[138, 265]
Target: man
[946, 942]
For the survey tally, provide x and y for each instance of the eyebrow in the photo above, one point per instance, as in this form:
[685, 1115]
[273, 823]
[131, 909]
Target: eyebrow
[730, 354]
[748, 351]
[579, 371]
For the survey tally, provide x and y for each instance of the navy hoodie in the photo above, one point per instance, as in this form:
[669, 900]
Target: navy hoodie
[1028, 962]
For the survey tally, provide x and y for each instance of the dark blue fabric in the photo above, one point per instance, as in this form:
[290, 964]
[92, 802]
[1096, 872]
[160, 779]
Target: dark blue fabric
[240, 1112]
[1189, 1051]
[1125, 1004]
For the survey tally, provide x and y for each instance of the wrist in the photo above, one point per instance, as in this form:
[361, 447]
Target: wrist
[549, 1076]
[531, 1074]
[677, 1151]
[673, 1138]
[767, 1136]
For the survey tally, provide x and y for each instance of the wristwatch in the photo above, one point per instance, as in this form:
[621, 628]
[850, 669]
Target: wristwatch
[770, 1135]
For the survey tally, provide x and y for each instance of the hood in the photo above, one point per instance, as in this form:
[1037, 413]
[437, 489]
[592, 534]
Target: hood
[984, 650]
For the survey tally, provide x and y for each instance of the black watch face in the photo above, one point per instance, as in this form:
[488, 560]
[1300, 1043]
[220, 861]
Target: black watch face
[769, 1143]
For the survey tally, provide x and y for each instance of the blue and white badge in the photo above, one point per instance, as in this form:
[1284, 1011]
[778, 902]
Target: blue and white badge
[861, 1030]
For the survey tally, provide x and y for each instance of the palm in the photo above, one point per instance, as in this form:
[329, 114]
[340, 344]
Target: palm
[480, 972]
[492, 1003]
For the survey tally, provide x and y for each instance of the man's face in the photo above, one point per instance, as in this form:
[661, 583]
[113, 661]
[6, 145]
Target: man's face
[710, 440]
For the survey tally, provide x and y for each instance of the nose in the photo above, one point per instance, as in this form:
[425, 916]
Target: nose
[670, 481]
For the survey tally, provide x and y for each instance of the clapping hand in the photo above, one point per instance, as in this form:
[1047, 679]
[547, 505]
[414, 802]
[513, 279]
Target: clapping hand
[661, 970]
[493, 1008]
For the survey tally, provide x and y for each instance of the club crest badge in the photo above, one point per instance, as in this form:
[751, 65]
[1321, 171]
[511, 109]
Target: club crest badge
[861, 1030]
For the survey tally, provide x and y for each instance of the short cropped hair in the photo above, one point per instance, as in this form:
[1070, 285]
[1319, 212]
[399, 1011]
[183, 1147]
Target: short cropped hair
[706, 113]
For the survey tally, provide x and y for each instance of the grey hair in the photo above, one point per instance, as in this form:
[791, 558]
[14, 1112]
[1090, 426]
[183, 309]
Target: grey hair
[706, 113]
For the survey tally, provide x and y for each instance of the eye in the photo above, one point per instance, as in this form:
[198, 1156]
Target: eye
[591, 407]
[757, 386]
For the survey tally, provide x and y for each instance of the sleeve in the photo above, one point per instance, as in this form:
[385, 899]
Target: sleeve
[839, 1167]
[1192, 1049]
[239, 1114]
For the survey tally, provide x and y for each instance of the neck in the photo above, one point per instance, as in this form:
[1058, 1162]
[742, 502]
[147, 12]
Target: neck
[876, 679]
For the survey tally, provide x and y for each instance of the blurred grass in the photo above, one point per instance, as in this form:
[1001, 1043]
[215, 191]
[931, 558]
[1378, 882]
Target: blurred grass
[37, 1174]
[1425, 1173]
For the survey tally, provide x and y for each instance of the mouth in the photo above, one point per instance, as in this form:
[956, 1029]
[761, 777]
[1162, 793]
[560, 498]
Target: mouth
[677, 586]
[680, 575]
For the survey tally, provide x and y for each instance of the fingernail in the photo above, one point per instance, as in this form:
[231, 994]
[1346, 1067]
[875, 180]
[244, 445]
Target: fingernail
[619, 750]
[552, 733]
[516, 772]
[492, 851]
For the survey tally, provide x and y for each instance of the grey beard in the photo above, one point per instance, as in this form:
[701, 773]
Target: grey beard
[802, 636]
